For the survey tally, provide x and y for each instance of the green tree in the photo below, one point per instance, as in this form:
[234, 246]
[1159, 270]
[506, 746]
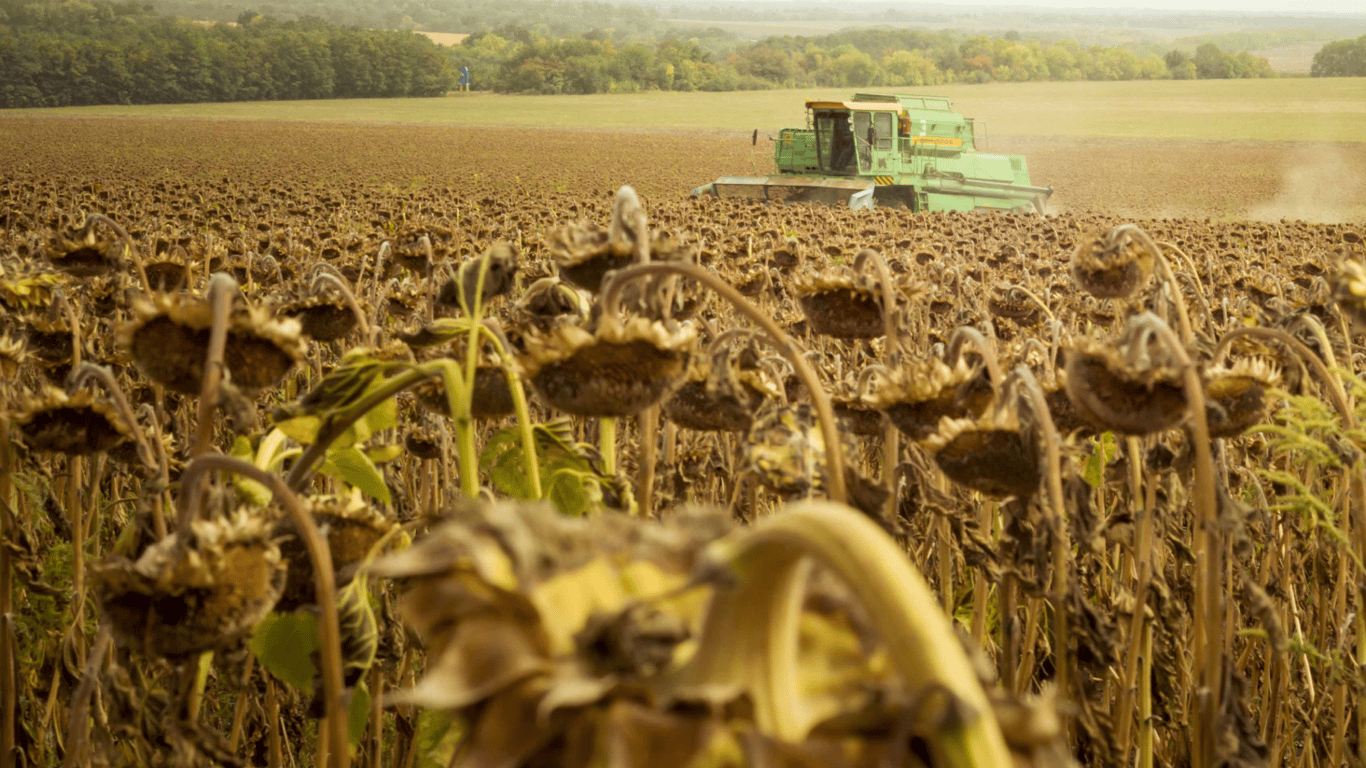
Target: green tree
[1212, 63]
[766, 63]
[1340, 58]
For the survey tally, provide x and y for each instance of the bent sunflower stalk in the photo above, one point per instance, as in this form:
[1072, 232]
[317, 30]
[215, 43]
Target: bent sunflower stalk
[834, 456]
[1209, 608]
[758, 617]
[325, 588]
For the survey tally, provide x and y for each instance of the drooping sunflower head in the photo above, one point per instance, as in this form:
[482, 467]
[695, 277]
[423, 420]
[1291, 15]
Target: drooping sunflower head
[1117, 394]
[1239, 396]
[1111, 266]
[500, 276]
[85, 252]
[619, 369]
[170, 270]
[168, 337]
[840, 302]
[207, 593]
[323, 313]
[584, 252]
[918, 395]
[991, 455]
[352, 528]
[13, 355]
[76, 425]
[721, 392]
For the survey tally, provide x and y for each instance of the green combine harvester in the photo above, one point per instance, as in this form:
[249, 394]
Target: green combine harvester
[897, 151]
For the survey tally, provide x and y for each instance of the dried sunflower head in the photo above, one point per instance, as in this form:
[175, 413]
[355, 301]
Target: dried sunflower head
[491, 398]
[548, 302]
[621, 369]
[1111, 266]
[1011, 303]
[83, 252]
[323, 314]
[76, 424]
[584, 252]
[722, 393]
[13, 355]
[1114, 394]
[207, 593]
[49, 338]
[422, 442]
[170, 271]
[786, 450]
[27, 288]
[411, 251]
[168, 336]
[1349, 290]
[403, 298]
[990, 455]
[499, 277]
[915, 397]
[352, 528]
[853, 410]
[1238, 397]
[840, 302]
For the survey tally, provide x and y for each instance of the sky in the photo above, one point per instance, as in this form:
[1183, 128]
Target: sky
[1300, 7]
[1259, 7]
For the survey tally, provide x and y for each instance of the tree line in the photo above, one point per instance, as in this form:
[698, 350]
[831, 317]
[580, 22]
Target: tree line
[514, 60]
[104, 52]
[75, 54]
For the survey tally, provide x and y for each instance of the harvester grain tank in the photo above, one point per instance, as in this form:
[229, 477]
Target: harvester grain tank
[890, 150]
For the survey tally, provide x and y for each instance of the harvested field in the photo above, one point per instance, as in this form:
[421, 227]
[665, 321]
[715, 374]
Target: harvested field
[1139, 178]
[1104, 482]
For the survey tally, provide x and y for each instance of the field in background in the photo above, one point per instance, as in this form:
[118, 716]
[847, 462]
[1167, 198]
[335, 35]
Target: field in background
[445, 38]
[1320, 109]
[1138, 178]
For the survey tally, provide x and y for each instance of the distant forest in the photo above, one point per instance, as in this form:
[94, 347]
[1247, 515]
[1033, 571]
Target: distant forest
[77, 52]
[74, 54]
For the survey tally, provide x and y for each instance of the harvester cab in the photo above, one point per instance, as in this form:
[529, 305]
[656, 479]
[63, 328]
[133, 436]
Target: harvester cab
[891, 150]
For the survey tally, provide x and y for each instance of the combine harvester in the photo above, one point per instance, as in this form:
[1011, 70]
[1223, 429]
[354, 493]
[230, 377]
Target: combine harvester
[897, 151]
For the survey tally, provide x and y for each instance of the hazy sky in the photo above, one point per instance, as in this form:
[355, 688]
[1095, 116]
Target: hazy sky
[1259, 7]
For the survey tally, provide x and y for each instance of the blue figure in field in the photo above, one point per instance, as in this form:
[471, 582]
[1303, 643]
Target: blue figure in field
[464, 78]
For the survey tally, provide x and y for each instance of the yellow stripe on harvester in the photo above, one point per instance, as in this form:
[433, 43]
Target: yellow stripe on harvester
[883, 180]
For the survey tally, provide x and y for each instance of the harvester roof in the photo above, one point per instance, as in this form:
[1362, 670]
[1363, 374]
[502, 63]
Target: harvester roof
[874, 106]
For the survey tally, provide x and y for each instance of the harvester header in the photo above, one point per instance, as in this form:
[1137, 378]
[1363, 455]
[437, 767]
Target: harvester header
[891, 150]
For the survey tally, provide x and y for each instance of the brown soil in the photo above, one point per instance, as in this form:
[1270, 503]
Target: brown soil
[1141, 178]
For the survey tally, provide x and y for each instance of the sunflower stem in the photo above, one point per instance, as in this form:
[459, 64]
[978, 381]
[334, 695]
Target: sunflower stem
[78, 722]
[645, 479]
[607, 445]
[786, 346]
[750, 630]
[1061, 541]
[891, 436]
[324, 578]
[129, 247]
[221, 291]
[1209, 554]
